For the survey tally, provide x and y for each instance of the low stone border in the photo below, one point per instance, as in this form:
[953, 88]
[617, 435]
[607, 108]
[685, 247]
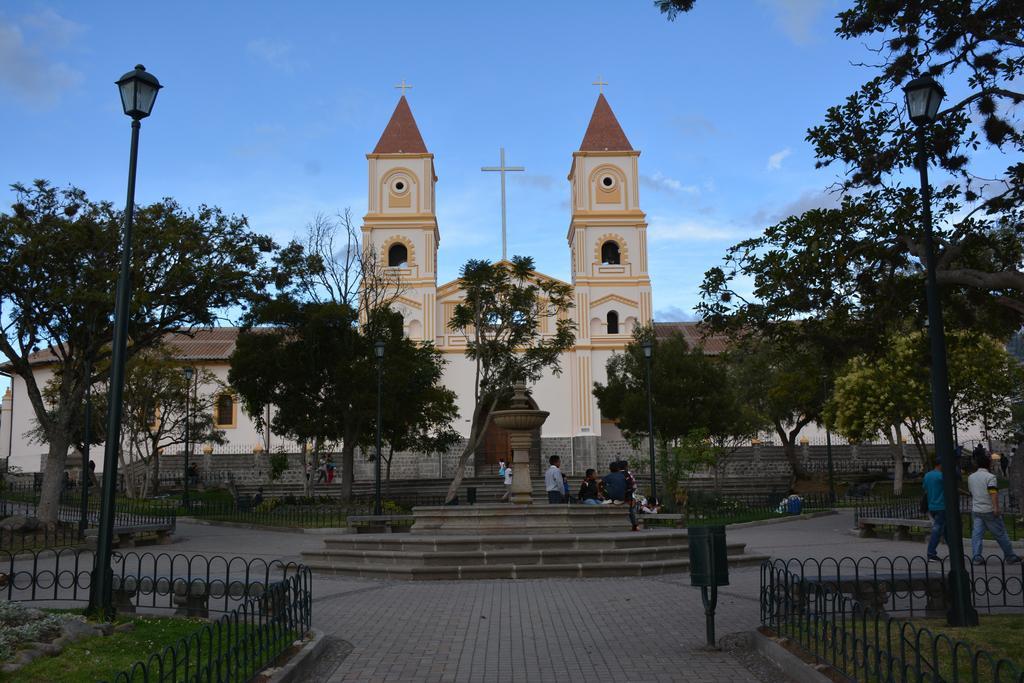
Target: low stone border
[300, 665]
[987, 544]
[782, 520]
[264, 527]
[774, 649]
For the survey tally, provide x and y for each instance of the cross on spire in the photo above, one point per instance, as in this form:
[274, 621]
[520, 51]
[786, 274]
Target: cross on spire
[403, 86]
[503, 169]
[600, 85]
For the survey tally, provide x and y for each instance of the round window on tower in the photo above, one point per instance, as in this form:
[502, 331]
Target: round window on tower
[607, 183]
[400, 186]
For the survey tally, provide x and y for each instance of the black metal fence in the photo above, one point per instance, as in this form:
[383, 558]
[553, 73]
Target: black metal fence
[843, 612]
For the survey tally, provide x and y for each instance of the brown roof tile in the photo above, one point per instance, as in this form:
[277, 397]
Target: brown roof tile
[604, 134]
[693, 333]
[401, 136]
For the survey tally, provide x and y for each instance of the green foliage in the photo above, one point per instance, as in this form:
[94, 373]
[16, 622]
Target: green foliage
[59, 262]
[690, 392]
[862, 262]
[278, 464]
[268, 505]
[676, 463]
[505, 308]
[673, 8]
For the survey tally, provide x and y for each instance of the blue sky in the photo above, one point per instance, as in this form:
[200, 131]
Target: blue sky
[270, 107]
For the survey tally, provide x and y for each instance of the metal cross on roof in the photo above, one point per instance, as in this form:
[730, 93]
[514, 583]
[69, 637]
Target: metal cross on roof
[404, 86]
[600, 85]
[503, 169]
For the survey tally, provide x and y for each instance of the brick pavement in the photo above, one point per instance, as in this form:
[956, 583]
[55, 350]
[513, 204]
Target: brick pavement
[623, 629]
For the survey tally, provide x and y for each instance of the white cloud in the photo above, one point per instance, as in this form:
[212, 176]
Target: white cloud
[687, 230]
[775, 160]
[674, 314]
[30, 74]
[810, 199]
[796, 17]
[276, 53]
[662, 183]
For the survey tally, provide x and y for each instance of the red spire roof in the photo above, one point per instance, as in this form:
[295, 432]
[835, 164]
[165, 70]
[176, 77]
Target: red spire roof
[604, 134]
[401, 136]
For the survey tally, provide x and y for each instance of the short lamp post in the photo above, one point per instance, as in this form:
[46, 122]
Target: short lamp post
[83, 523]
[378, 351]
[828, 451]
[923, 97]
[648, 348]
[138, 93]
[189, 373]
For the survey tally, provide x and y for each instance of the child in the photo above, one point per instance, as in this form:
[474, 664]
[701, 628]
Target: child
[630, 494]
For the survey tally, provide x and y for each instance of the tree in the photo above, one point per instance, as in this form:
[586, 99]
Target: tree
[58, 270]
[501, 315]
[784, 380]
[867, 255]
[883, 395]
[419, 410]
[691, 393]
[158, 401]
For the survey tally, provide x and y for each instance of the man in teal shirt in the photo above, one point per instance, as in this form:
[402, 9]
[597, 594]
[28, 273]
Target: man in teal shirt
[932, 485]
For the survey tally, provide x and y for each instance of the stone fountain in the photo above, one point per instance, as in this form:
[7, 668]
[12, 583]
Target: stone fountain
[520, 420]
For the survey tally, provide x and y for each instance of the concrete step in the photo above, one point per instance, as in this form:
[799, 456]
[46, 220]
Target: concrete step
[517, 571]
[494, 542]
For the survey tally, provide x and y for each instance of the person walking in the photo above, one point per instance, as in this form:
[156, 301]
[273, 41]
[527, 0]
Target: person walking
[985, 512]
[936, 495]
[554, 484]
[507, 474]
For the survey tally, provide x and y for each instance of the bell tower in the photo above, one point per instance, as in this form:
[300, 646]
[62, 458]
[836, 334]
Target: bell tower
[400, 225]
[608, 243]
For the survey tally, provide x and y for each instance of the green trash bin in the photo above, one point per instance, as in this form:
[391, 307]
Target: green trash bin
[709, 558]
[709, 569]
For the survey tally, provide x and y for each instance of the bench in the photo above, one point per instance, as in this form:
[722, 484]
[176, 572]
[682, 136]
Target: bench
[124, 536]
[190, 598]
[903, 526]
[377, 524]
[874, 591]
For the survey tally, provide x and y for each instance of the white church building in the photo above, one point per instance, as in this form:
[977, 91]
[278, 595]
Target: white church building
[607, 248]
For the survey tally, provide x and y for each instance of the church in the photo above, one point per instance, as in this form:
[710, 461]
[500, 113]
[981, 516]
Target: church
[606, 245]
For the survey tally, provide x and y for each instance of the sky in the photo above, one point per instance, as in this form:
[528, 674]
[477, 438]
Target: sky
[269, 109]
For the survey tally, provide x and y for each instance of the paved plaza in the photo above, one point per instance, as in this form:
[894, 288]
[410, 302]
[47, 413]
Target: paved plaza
[614, 629]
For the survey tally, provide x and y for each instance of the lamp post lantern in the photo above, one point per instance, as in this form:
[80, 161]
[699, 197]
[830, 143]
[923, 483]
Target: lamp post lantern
[923, 97]
[138, 90]
[189, 372]
[648, 348]
[378, 351]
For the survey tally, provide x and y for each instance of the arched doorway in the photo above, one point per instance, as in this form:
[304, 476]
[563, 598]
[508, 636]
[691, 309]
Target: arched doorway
[496, 446]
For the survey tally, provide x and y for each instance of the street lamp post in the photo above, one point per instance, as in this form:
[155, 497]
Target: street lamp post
[378, 351]
[138, 93]
[828, 452]
[923, 97]
[83, 523]
[188, 425]
[648, 347]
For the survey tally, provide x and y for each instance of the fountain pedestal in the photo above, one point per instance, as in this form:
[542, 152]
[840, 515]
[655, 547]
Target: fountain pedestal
[520, 421]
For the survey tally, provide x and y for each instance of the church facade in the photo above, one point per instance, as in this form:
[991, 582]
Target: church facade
[606, 245]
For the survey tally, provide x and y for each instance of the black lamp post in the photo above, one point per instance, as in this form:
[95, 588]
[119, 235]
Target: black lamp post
[828, 451]
[83, 523]
[378, 351]
[924, 95]
[138, 93]
[189, 372]
[648, 347]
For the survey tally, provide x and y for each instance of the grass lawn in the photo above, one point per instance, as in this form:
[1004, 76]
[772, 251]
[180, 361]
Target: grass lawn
[101, 658]
[1000, 635]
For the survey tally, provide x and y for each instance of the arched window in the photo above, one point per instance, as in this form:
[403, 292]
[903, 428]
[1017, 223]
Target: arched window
[610, 253]
[398, 255]
[613, 322]
[224, 411]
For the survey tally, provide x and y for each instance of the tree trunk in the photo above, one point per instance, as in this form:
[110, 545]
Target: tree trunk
[347, 463]
[897, 459]
[155, 473]
[308, 471]
[48, 510]
[476, 432]
[387, 478]
[789, 449]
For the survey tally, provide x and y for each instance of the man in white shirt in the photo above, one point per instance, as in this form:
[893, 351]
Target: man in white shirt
[553, 482]
[985, 512]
